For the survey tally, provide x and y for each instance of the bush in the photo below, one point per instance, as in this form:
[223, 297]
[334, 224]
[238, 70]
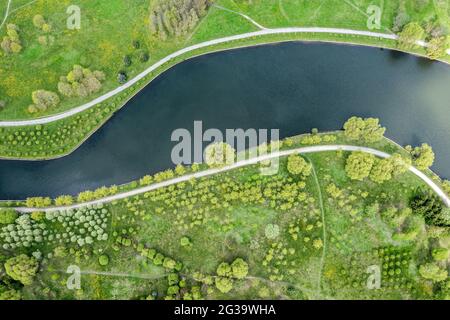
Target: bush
[8, 216]
[440, 254]
[408, 37]
[368, 129]
[44, 99]
[359, 165]
[224, 284]
[22, 268]
[239, 268]
[122, 77]
[296, 165]
[432, 271]
[103, 260]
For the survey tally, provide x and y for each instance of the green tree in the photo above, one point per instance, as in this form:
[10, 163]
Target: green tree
[381, 171]
[437, 48]
[408, 37]
[44, 99]
[297, 165]
[431, 208]
[423, 156]
[431, 271]
[440, 254]
[368, 129]
[240, 268]
[103, 260]
[22, 268]
[359, 164]
[224, 270]
[400, 164]
[8, 216]
[224, 284]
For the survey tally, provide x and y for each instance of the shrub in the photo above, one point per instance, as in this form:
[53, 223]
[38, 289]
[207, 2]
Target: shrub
[296, 165]
[122, 77]
[103, 260]
[44, 99]
[368, 129]
[359, 165]
[239, 268]
[22, 268]
[224, 284]
[408, 37]
[38, 21]
[8, 216]
[432, 271]
[440, 254]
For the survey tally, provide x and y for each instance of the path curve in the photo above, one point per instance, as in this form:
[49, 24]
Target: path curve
[6, 13]
[178, 53]
[240, 164]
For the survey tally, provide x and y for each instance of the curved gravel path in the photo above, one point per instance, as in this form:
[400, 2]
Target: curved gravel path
[244, 163]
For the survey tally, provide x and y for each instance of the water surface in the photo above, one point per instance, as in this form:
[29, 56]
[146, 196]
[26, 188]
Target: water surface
[290, 86]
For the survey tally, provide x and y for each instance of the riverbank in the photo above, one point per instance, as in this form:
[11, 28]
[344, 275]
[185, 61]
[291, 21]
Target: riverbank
[383, 149]
[112, 101]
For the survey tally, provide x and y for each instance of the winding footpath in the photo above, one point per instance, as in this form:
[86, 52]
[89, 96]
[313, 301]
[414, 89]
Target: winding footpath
[178, 53]
[240, 164]
[6, 13]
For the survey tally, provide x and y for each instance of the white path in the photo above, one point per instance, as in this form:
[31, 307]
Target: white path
[6, 13]
[242, 15]
[178, 53]
[244, 163]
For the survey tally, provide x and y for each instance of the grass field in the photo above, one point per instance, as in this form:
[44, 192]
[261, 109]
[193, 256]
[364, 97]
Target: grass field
[322, 248]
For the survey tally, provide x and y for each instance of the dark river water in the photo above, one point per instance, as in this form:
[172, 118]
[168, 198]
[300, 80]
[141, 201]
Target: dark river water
[292, 87]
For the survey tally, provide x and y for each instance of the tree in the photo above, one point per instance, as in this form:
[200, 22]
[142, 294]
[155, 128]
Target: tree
[38, 21]
[219, 154]
[8, 216]
[10, 294]
[381, 171]
[297, 165]
[224, 270]
[408, 37]
[359, 164]
[437, 48]
[368, 129]
[44, 99]
[400, 164]
[224, 284]
[440, 254]
[22, 268]
[239, 268]
[430, 207]
[431, 271]
[103, 260]
[423, 156]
